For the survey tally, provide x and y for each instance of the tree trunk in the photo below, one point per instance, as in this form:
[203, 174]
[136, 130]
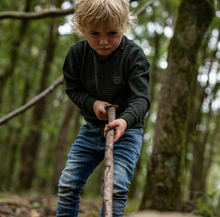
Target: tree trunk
[163, 190]
[5, 176]
[197, 97]
[18, 131]
[215, 142]
[198, 180]
[154, 79]
[9, 69]
[60, 147]
[30, 146]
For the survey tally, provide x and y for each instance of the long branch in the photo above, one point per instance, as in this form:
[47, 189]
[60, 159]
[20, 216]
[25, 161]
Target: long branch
[142, 10]
[35, 15]
[51, 13]
[31, 103]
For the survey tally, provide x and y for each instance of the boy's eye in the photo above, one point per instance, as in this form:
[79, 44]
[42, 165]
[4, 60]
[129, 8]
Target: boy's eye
[112, 33]
[94, 33]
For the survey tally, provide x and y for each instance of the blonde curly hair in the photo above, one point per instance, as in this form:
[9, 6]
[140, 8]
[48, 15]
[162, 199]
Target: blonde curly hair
[108, 13]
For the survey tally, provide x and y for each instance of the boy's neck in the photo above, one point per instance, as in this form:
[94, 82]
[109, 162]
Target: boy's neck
[101, 57]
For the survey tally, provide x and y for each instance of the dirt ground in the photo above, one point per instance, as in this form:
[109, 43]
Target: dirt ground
[150, 213]
[41, 206]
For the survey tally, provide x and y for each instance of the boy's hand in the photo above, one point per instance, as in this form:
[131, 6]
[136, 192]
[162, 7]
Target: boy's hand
[119, 125]
[99, 109]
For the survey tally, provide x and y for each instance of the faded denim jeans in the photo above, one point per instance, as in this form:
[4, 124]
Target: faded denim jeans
[85, 155]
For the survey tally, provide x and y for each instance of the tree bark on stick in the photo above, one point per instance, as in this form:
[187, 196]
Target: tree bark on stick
[109, 165]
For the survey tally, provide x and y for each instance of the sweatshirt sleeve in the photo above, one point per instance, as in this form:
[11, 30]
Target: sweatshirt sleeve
[138, 81]
[74, 87]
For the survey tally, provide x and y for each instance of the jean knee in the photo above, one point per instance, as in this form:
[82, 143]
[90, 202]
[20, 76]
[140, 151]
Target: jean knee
[68, 193]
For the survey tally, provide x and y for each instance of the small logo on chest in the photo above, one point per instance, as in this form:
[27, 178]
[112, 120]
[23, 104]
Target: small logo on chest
[117, 80]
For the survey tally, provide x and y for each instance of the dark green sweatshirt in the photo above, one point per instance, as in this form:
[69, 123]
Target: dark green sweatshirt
[122, 79]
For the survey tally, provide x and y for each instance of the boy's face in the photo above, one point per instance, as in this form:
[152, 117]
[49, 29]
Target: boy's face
[102, 41]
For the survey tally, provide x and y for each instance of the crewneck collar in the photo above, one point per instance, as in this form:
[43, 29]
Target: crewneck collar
[121, 46]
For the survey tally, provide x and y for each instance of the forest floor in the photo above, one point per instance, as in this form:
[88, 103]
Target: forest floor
[32, 205]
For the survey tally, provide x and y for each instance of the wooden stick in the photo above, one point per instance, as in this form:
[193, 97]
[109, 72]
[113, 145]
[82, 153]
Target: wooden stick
[109, 165]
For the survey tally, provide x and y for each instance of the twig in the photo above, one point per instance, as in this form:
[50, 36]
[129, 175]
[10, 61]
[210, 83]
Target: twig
[31, 103]
[35, 15]
[142, 10]
[109, 165]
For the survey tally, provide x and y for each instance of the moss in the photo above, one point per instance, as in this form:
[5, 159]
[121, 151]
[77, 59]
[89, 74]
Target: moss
[191, 23]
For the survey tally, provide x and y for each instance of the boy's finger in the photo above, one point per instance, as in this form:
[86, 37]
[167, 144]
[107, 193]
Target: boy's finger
[104, 112]
[117, 136]
[105, 131]
[111, 125]
[108, 127]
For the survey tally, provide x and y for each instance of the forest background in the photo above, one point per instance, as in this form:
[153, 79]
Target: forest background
[179, 164]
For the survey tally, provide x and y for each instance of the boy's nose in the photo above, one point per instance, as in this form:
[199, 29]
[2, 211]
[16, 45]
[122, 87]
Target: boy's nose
[103, 41]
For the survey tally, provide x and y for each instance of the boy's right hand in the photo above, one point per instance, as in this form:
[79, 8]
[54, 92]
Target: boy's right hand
[99, 109]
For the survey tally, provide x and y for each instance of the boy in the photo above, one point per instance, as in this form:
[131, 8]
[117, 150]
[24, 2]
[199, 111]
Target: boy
[104, 69]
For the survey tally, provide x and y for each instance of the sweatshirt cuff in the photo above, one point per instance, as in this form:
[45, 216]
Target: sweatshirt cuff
[130, 119]
[89, 101]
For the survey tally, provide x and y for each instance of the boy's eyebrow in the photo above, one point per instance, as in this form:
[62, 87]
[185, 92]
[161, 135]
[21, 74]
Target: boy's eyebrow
[92, 30]
[113, 30]
[106, 31]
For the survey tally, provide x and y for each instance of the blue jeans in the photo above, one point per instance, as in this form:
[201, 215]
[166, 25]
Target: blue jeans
[85, 155]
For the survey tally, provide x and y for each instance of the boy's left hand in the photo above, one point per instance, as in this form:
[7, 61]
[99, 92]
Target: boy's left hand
[119, 125]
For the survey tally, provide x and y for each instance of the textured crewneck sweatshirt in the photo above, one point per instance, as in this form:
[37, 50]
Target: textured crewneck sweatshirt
[121, 79]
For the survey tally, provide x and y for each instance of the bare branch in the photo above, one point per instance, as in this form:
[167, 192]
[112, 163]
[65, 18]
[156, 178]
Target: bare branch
[35, 15]
[142, 10]
[34, 101]
[51, 13]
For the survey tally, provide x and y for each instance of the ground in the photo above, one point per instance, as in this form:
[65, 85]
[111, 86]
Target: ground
[32, 205]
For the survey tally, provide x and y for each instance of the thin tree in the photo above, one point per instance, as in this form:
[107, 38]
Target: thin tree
[198, 180]
[14, 53]
[30, 146]
[60, 146]
[154, 80]
[8, 72]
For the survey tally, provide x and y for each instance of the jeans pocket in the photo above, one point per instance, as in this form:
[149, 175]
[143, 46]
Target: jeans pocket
[135, 136]
[90, 129]
[86, 127]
